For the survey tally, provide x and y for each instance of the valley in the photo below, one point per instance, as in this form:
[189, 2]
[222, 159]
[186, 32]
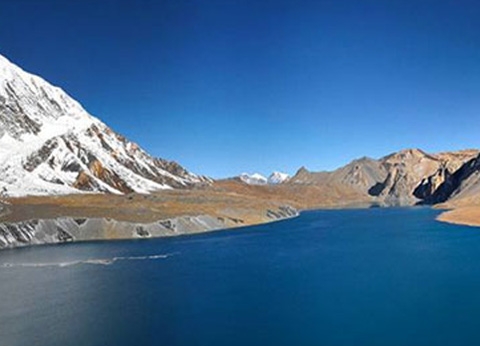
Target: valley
[66, 176]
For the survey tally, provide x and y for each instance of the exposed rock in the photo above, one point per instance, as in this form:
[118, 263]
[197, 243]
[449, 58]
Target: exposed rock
[404, 178]
[463, 183]
[272, 215]
[168, 224]
[63, 236]
[141, 232]
[429, 186]
[50, 231]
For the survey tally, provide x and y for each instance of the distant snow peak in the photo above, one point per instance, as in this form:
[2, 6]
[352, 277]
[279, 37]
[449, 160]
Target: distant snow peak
[258, 179]
[49, 144]
[278, 178]
[253, 179]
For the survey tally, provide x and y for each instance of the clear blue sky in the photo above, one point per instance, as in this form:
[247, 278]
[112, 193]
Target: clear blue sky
[230, 86]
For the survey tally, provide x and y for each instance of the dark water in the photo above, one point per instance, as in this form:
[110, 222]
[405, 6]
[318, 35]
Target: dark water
[350, 277]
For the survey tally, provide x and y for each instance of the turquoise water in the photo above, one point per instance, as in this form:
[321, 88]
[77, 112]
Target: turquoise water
[344, 277]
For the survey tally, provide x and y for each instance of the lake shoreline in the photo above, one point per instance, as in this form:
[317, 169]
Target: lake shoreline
[67, 229]
[320, 266]
[463, 216]
[78, 218]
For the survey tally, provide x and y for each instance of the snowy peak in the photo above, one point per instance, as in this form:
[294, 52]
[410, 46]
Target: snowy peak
[258, 179]
[278, 178]
[31, 106]
[49, 144]
[253, 179]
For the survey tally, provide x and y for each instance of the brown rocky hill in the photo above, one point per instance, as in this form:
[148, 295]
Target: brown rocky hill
[461, 192]
[406, 177]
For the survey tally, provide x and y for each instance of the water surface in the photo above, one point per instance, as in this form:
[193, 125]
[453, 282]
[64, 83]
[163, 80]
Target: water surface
[342, 277]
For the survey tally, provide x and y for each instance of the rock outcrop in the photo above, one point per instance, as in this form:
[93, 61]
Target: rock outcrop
[407, 177]
[464, 183]
[69, 229]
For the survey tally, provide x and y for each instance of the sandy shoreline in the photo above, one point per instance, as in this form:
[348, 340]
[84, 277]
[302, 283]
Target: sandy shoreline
[466, 216]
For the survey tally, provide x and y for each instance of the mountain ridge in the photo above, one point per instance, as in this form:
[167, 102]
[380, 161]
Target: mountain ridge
[49, 144]
[406, 177]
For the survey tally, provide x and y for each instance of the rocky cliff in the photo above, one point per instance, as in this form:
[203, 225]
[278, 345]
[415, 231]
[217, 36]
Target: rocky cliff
[407, 177]
[462, 184]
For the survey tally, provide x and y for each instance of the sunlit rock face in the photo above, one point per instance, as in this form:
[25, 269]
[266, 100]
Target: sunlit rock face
[406, 177]
[49, 144]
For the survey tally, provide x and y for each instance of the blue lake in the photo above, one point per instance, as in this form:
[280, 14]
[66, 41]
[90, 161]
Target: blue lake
[340, 277]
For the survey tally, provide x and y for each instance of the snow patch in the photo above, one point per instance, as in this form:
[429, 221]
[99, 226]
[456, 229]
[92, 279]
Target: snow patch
[253, 179]
[278, 178]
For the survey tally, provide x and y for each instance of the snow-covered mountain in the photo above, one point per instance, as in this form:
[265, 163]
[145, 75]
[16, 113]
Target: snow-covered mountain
[253, 179]
[258, 179]
[49, 144]
[278, 178]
